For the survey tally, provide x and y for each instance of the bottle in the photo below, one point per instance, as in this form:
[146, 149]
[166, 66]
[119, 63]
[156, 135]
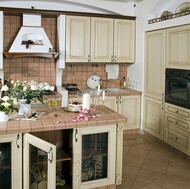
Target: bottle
[1, 84]
[123, 83]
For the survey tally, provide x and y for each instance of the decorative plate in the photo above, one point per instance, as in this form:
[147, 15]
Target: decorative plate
[93, 81]
[165, 15]
[183, 7]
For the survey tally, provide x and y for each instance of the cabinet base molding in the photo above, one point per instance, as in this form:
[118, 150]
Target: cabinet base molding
[167, 145]
[131, 131]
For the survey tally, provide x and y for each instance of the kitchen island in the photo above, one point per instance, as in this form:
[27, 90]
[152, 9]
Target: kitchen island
[51, 128]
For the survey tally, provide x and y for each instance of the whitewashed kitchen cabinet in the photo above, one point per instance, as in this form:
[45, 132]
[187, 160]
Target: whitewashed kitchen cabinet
[153, 117]
[128, 106]
[177, 127]
[101, 39]
[124, 40]
[97, 39]
[94, 161]
[110, 102]
[11, 161]
[155, 64]
[39, 157]
[178, 48]
[112, 40]
[77, 39]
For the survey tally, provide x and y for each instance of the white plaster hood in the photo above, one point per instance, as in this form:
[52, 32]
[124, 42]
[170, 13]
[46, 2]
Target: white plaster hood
[31, 32]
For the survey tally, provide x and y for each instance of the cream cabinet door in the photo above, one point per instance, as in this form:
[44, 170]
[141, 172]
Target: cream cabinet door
[153, 117]
[124, 40]
[178, 47]
[94, 158]
[110, 102]
[129, 106]
[11, 161]
[77, 39]
[101, 39]
[155, 64]
[39, 157]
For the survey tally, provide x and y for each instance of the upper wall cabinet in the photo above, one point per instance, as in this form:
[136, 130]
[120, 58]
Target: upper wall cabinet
[101, 39]
[178, 45]
[77, 39]
[95, 39]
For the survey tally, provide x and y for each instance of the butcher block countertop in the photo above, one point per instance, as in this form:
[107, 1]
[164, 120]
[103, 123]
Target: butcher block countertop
[53, 121]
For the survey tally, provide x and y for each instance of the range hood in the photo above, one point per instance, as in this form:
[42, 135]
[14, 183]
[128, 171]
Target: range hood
[31, 40]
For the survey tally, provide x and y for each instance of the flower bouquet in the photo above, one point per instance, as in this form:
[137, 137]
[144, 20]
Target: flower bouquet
[26, 90]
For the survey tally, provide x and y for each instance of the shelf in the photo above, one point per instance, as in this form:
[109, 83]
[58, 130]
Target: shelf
[31, 54]
[62, 156]
[171, 16]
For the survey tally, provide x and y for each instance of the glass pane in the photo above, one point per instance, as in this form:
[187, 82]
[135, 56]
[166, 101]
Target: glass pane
[38, 168]
[94, 156]
[5, 165]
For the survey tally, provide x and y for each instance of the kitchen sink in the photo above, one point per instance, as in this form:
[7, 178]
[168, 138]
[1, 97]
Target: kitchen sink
[116, 90]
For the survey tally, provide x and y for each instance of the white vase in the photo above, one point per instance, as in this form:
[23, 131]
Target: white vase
[24, 107]
[3, 117]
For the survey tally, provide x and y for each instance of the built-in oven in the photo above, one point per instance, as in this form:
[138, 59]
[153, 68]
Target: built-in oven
[177, 87]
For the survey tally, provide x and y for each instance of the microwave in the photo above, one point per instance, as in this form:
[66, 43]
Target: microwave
[177, 87]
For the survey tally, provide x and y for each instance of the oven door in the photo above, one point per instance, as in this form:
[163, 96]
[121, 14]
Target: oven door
[178, 91]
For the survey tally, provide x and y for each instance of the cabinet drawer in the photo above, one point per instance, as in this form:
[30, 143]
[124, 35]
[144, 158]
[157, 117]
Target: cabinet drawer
[177, 122]
[177, 111]
[177, 138]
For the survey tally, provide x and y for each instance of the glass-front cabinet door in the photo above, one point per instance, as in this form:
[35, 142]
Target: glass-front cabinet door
[11, 161]
[94, 156]
[39, 163]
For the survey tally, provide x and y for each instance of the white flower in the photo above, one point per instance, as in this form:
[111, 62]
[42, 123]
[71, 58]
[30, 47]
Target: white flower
[15, 102]
[5, 88]
[47, 87]
[6, 104]
[34, 87]
[12, 81]
[24, 88]
[52, 88]
[5, 98]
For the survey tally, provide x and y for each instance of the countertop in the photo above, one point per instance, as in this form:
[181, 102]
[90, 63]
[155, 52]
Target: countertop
[53, 122]
[129, 92]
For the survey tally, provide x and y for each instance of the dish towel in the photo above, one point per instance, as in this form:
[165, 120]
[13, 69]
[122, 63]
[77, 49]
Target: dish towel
[112, 70]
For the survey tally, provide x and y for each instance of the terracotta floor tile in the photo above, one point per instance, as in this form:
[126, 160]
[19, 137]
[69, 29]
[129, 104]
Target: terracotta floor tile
[172, 181]
[148, 164]
[150, 177]
[135, 161]
[130, 171]
[143, 185]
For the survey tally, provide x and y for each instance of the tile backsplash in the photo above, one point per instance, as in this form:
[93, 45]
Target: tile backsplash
[44, 69]
[80, 74]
